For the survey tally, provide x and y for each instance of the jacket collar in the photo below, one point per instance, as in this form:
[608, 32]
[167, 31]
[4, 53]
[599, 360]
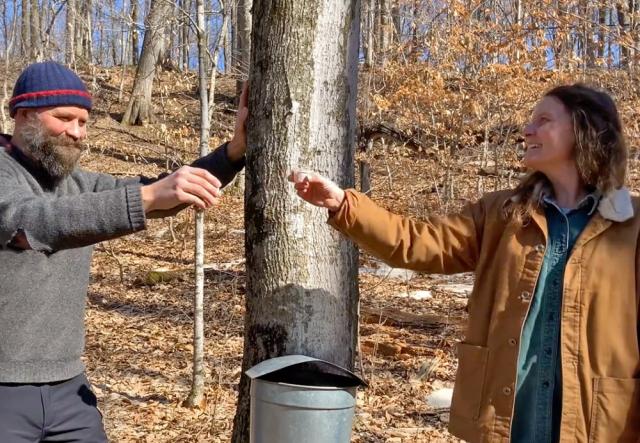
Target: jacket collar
[615, 205]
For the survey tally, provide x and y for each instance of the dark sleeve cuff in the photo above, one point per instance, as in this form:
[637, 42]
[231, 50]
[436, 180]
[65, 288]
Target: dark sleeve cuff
[219, 165]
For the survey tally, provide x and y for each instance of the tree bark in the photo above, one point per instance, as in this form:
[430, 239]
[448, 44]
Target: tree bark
[302, 289]
[184, 41]
[633, 29]
[135, 35]
[26, 28]
[36, 34]
[87, 37]
[242, 52]
[368, 12]
[396, 19]
[139, 110]
[241, 61]
[70, 51]
[623, 23]
[383, 37]
[9, 42]
[227, 37]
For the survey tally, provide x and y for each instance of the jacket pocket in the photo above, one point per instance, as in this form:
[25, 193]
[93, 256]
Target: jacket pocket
[615, 412]
[469, 383]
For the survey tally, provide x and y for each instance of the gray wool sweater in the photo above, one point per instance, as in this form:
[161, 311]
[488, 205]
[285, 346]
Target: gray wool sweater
[43, 289]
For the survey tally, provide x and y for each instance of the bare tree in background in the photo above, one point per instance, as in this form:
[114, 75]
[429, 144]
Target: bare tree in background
[9, 37]
[242, 41]
[135, 34]
[139, 110]
[36, 34]
[25, 27]
[70, 51]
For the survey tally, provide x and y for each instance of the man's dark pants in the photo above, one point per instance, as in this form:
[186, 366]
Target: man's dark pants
[50, 412]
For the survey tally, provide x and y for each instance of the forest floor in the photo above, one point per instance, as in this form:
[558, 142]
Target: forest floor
[139, 334]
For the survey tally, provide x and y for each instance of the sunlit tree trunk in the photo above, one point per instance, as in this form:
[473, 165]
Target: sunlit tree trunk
[302, 290]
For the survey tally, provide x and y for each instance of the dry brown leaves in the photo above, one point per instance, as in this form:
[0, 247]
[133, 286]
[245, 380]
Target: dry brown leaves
[139, 336]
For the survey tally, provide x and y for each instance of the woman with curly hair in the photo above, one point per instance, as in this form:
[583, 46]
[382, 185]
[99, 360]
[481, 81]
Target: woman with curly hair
[551, 348]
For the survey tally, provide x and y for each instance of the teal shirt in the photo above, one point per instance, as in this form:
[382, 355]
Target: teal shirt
[538, 402]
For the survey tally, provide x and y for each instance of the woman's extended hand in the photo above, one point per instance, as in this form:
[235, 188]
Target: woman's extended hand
[317, 190]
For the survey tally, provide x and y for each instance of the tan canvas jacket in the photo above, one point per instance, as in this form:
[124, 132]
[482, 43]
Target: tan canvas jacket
[599, 323]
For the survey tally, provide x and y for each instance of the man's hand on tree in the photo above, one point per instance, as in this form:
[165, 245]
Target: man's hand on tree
[238, 144]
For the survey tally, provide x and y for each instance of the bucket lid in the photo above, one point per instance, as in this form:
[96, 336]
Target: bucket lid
[293, 368]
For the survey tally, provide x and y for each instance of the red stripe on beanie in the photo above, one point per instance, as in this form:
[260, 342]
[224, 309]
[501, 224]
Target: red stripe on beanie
[53, 92]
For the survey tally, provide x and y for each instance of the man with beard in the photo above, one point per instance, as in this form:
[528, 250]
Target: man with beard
[51, 215]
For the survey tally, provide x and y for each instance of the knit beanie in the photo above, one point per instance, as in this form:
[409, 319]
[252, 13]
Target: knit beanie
[48, 84]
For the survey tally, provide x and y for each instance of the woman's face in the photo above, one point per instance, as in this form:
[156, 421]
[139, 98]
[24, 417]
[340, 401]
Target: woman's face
[549, 138]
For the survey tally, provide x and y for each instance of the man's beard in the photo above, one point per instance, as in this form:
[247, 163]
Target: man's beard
[57, 155]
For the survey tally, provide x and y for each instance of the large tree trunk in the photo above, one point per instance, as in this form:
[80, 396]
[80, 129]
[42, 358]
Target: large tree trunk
[139, 109]
[302, 289]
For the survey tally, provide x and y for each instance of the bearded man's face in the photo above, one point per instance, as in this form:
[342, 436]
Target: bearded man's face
[54, 138]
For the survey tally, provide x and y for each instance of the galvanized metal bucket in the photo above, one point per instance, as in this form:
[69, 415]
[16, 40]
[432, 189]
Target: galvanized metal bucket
[300, 399]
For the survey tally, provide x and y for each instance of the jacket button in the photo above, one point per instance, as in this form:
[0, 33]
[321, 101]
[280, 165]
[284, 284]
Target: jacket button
[512, 342]
[540, 248]
[506, 390]
[525, 296]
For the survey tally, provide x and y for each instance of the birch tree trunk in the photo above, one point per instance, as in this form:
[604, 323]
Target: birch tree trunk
[302, 289]
[140, 110]
[196, 396]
